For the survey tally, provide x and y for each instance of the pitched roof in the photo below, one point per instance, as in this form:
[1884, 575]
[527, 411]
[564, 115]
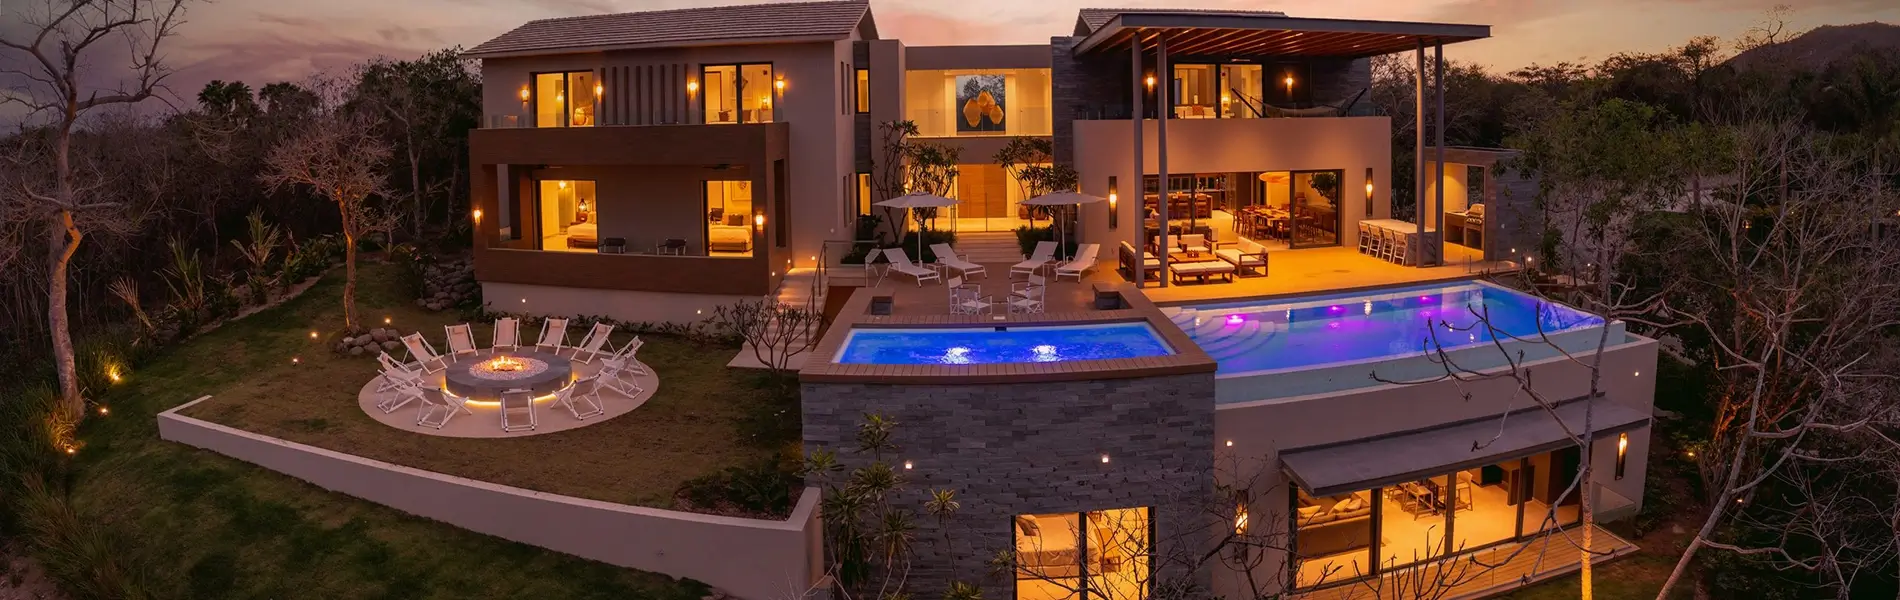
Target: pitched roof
[1091, 19]
[753, 23]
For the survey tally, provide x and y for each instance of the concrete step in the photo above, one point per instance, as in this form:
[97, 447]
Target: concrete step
[989, 247]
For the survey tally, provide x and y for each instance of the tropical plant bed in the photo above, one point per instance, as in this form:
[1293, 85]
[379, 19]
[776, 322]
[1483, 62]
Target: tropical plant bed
[200, 525]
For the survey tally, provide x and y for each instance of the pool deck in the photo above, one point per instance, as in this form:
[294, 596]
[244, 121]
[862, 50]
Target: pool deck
[1290, 273]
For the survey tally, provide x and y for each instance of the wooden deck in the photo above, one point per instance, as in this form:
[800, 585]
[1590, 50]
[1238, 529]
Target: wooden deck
[1539, 560]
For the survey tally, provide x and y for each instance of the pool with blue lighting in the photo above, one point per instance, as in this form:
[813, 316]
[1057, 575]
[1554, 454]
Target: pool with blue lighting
[1001, 345]
[1287, 334]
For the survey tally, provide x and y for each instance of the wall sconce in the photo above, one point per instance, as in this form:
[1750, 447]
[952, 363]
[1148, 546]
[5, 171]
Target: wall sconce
[1289, 86]
[1369, 211]
[779, 84]
[477, 213]
[1114, 216]
[525, 94]
[1151, 82]
[758, 220]
[1622, 453]
[692, 86]
[598, 90]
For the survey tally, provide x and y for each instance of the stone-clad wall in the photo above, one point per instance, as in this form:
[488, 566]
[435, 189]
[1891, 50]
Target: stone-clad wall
[1031, 447]
[1081, 88]
[1338, 80]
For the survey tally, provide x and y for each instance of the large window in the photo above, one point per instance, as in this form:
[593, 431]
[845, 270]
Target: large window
[569, 215]
[1316, 208]
[737, 93]
[1240, 92]
[729, 218]
[973, 102]
[565, 99]
[1100, 554]
[1195, 95]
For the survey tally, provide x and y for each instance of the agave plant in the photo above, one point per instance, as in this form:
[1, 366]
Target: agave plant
[265, 240]
[185, 276]
[126, 290]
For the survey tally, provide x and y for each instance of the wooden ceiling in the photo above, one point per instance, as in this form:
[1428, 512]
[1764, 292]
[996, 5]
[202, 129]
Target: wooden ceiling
[1203, 35]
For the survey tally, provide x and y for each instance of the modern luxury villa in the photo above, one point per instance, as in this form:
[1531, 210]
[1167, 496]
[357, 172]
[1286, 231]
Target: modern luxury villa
[1254, 375]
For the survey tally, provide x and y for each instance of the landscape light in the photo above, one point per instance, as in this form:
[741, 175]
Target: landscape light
[313, 335]
[1105, 459]
[385, 320]
[907, 465]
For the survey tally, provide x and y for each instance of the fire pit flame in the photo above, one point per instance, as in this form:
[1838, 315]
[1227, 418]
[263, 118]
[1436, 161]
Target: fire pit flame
[505, 364]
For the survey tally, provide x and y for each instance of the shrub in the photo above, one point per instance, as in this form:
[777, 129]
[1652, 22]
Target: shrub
[1027, 237]
[761, 488]
[311, 258]
[413, 262]
[931, 236]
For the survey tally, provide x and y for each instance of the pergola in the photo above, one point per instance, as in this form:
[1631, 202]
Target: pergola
[1223, 33]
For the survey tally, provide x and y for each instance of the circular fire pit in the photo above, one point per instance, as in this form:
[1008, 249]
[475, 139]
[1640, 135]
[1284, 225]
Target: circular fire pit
[487, 374]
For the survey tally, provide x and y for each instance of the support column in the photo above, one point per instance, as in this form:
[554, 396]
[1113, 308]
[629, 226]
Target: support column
[1418, 153]
[1134, 116]
[1164, 104]
[1438, 133]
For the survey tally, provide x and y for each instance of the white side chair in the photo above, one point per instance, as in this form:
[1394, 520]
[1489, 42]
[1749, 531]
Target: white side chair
[1029, 303]
[595, 340]
[582, 399]
[553, 335]
[517, 411]
[968, 299]
[507, 334]
[461, 340]
[423, 354]
[1023, 289]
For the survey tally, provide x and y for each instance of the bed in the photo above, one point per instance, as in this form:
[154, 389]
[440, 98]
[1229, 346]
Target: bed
[583, 235]
[729, 238]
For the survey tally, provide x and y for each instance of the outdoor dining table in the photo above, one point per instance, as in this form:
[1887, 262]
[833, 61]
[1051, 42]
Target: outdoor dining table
[1410, 231]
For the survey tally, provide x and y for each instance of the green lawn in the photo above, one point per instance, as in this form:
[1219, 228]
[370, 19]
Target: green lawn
[213, 527]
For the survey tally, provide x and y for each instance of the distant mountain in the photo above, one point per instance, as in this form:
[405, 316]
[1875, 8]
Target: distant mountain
[1815, 49]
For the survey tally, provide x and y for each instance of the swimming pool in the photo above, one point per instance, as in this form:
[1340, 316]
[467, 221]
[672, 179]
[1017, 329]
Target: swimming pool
[1366, 329]
[995, 345]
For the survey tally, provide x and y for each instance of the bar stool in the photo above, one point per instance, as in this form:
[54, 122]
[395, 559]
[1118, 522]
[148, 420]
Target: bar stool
[1366, 242]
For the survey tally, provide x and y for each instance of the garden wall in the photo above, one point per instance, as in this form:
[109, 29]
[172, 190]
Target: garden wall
[749, 558]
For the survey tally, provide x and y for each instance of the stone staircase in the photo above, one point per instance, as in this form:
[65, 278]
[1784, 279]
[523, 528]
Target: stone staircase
[797, 289]
[989, 247]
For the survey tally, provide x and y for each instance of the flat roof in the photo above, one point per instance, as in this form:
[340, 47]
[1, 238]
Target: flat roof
[1365, 464]
[1225, 33]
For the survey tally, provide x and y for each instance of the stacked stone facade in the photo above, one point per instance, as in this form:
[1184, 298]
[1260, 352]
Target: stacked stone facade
[1009, 449]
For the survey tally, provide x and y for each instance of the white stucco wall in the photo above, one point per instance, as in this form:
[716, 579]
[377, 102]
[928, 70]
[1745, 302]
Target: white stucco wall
[750, 558]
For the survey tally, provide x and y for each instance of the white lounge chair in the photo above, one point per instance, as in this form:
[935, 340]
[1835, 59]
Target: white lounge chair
[461, 340]
[1083, 263]
[517, 411]
[623, 362]
[902, 264]
[949, 259]
[871, 272]
[1045, 251]
[582, 399]
[507, 334]
[423, 354]
[553, 335]
[438, 406]
[595, 340]
[395, 374]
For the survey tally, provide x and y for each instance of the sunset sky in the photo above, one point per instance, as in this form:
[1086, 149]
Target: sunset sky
[268, 40]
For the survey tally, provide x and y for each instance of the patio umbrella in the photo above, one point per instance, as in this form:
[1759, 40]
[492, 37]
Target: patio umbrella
[1062, 198]
[918, 200]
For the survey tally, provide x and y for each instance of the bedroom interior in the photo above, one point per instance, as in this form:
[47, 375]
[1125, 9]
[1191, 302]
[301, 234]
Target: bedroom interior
[569, 214]
[728, 210]
[1054, 551]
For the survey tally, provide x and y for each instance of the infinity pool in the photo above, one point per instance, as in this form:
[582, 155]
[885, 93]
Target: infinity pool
[993, 345]
[1292, 334]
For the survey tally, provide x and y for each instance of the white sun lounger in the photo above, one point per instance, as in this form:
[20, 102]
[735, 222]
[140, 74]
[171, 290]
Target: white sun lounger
[949, 259]
[437, 406]
[461, 340]
[902, 264]
[595, 340]
[553, 335]
[1045, 251]
[423, 354]
[582, 399]
[507, 334]
[1083, 263]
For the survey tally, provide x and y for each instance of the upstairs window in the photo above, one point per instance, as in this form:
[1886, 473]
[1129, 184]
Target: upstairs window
[565, 99]
[864, 91]
[738, 93]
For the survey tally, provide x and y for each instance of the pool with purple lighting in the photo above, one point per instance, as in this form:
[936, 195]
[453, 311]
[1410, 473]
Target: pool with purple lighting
[1000, 344]
[1308, 332]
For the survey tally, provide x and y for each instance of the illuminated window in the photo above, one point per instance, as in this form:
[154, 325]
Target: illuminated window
[729, 218]
[864, 91]
[1622, 452]
[570, 215]
[737, 93]
[564, 99]
[864, 193]
[1106, 552]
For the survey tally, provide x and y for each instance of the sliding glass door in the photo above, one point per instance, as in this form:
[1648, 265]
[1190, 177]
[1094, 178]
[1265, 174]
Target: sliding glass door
[1315, 203]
